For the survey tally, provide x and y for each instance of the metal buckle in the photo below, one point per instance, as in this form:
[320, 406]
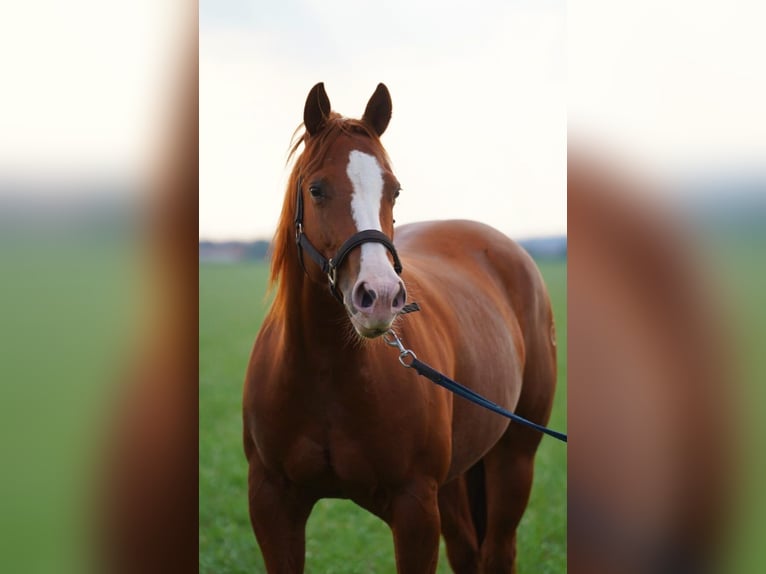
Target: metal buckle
[332, 273]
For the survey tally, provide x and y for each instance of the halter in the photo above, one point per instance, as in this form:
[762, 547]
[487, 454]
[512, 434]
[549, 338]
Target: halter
[330, 266]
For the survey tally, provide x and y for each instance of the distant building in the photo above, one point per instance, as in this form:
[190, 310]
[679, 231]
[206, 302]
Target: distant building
[546, 247]
[232, 251]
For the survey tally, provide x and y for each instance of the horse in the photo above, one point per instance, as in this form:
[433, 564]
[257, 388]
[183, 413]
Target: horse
[328, 411]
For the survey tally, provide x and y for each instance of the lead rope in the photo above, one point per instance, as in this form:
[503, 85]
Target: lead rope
[409, 360]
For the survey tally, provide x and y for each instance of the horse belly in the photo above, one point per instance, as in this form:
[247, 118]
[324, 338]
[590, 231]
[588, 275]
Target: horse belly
[476, 430]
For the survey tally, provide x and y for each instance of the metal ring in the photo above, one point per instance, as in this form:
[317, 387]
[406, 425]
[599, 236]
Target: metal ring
[404, 354]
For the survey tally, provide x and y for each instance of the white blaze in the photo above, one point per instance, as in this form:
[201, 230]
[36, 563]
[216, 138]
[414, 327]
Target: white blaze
[366, 177]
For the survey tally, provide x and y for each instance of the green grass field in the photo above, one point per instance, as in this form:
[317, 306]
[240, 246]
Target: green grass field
[341, 538]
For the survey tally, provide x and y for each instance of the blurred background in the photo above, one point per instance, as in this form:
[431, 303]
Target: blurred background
[667, 214]
[98, 191]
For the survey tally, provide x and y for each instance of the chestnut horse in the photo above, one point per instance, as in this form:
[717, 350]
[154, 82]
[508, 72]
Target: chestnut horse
[328, 410]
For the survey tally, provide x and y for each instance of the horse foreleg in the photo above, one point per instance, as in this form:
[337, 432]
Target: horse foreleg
[278, 514]
[414, 521]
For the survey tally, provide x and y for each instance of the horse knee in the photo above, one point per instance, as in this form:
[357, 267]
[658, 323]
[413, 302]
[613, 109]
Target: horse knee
[498, 559]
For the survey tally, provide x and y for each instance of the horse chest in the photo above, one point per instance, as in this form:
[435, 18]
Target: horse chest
[342, 446]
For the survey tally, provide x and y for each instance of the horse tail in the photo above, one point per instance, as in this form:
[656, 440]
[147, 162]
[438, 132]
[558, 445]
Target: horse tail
[477, 499]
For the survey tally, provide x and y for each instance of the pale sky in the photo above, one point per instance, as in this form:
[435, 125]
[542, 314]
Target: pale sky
[479, 106]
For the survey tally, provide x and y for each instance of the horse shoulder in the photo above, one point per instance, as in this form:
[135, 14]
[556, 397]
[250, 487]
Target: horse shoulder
[262, 379]
[259, 369]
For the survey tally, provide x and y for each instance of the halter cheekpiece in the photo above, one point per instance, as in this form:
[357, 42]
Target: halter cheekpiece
[330, 266]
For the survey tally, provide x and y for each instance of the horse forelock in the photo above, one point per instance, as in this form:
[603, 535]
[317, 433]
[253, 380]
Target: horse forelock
[285, 266]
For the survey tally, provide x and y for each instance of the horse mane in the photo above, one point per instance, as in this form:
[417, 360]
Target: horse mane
[284, 264]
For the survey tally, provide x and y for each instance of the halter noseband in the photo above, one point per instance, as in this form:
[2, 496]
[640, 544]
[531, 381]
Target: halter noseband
[330, 266]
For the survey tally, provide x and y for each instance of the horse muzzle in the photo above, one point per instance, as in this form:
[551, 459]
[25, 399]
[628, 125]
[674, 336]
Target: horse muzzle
[375, 303]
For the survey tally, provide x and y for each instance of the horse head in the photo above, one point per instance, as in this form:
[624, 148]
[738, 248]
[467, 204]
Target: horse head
[345, 195]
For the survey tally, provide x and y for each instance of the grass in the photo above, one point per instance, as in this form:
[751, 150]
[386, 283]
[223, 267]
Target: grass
[341, 538]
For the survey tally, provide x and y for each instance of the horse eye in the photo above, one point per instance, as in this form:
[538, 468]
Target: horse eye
[396, 193]
[315, 191]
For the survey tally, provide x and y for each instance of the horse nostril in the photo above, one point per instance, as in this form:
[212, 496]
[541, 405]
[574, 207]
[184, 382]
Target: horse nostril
[368, 298]
[365, 297]
[400, 297]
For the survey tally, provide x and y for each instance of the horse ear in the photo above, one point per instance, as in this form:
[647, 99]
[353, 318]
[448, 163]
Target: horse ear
[377, 114]
[317, 109]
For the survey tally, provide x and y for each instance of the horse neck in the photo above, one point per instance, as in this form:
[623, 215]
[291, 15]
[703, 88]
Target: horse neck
[313, 318]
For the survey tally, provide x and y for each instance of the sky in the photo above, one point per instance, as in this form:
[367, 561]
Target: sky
[479, 107]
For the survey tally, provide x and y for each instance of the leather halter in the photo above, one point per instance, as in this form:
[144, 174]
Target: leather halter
[330, 266]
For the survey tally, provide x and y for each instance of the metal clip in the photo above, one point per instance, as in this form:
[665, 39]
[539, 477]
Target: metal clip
[393, 340]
